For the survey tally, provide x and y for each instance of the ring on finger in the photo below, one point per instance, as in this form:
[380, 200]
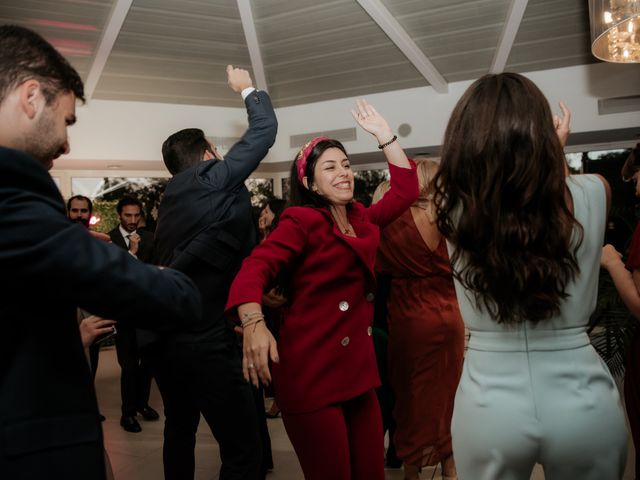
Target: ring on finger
[250, 365]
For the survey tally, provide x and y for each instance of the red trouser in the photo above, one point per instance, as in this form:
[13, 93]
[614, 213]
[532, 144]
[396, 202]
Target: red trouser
[340, 442]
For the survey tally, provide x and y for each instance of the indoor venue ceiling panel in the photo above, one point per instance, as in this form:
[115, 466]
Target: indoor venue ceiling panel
[73, 27]
[313, 50]
[168, 90]
[167, 46]
[553, 34]
[352, 83]
[325, 48]
[459, 37]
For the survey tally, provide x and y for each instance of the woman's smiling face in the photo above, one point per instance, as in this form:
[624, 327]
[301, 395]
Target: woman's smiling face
[333, 177]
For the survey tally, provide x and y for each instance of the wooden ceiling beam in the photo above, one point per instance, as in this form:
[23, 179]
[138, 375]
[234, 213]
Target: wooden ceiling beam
[249, 26]
[398, 35]
[109, 37]
[508, 35]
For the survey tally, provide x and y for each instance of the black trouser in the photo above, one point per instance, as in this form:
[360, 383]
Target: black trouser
[135, 379]
[206, 378]
[267, 455]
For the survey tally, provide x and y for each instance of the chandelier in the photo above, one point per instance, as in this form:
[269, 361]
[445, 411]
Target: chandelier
[615, 30]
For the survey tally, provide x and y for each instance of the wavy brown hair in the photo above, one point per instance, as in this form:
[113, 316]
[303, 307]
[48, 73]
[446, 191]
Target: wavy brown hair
[502, 200]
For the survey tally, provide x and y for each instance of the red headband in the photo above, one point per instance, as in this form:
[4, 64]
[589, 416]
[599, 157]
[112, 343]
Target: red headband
[301, 159]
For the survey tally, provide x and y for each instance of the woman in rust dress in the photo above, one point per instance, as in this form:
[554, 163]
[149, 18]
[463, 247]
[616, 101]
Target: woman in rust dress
[426, 333]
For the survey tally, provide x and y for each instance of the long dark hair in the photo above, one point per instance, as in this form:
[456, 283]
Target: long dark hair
[502, 200]
[299, 195]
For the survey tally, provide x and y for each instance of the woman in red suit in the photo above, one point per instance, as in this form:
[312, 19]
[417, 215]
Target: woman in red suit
[324, 366]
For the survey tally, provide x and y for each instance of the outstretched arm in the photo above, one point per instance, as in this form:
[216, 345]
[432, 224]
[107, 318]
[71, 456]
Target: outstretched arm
[245, 156]
[374, 123]
[404, 181]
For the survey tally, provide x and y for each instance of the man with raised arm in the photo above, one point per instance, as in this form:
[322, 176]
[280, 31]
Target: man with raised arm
[205, 230]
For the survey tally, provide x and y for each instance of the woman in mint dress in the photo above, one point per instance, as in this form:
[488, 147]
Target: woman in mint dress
[525, 242]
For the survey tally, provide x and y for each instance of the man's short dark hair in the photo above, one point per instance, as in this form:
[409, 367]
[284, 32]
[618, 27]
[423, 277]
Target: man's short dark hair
[184, 149]
[80, 197]
[126, 201]
[25, 55]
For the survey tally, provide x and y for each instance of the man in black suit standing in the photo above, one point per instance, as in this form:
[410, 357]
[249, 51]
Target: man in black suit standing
[49, 426]
[205, 229]
[135, 377]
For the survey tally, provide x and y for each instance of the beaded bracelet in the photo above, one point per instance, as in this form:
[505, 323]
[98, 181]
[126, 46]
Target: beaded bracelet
[395, 137]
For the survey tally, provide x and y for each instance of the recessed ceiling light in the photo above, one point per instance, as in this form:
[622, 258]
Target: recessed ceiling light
[114, 167]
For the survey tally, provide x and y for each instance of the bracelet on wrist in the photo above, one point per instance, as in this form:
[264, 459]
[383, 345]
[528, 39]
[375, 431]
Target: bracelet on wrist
[254, 322]
[251, 317]
[395, 137]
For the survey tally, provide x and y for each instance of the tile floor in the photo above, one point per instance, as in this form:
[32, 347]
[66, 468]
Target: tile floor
[138, 456]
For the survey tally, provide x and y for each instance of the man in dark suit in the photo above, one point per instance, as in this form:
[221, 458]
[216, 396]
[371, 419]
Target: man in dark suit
[49, 426]
[205, 229]
[135, 377]
[79, 210]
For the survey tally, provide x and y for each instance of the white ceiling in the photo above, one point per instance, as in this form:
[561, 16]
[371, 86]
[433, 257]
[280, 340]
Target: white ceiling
[175, 51]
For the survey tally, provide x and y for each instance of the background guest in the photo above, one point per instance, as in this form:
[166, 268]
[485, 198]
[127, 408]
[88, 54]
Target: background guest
[135, 376]
[627, 282]
[426, 333]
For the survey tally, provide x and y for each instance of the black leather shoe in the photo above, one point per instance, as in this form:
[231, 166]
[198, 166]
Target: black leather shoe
[130, 424]
[149, 413]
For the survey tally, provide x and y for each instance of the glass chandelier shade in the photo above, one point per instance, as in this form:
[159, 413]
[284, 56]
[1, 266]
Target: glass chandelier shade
[615, 30]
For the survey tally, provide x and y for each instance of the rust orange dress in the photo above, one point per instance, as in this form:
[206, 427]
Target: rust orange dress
[426, 341]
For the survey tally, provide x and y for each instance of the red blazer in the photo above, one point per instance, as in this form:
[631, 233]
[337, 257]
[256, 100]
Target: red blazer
[325, 345]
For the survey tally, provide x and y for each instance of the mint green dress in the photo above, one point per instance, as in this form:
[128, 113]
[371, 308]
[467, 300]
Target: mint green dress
[540, 393]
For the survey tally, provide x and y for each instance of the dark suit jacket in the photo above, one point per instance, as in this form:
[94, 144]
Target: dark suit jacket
[146, 254]
[205, 227]
[146, 250]
[49, 426]
[325, 346]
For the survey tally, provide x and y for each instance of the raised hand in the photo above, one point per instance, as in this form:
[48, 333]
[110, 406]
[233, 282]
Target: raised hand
[371, 121]
[238, 79]
[562, 124]
[134, 243]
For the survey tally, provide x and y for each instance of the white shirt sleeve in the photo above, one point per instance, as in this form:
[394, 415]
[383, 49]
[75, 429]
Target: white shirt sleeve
[245, 93]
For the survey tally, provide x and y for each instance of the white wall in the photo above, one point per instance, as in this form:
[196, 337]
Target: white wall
[110, 130]
[120, 131]
[427, 111]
